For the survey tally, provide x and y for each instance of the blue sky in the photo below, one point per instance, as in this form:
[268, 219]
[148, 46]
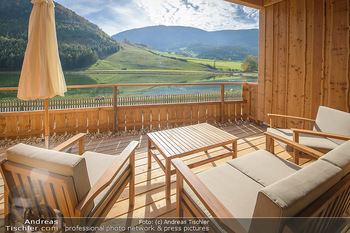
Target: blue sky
[114, 16]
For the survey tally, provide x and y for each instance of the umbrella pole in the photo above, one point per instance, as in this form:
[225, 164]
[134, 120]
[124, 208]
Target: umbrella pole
[46, 124]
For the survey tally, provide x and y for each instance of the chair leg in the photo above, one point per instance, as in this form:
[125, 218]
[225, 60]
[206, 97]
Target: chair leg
[132, 181]
[132, 192]
[179, 189]
[296, 156]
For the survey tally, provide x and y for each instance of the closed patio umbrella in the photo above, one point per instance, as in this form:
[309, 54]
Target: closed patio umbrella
[42, 76]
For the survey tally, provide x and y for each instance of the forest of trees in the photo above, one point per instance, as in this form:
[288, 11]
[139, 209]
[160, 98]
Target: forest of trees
[80, 42]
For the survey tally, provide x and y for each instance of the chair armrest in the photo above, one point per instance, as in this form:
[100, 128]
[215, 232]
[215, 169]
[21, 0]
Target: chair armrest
[213, 205]
[77, 138]
[107, 177]
[270, 147]
[273, 116]
[322, 134]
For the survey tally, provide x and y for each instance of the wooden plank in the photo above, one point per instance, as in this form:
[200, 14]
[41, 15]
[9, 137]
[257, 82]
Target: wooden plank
[281, 61]
[258, 4]
[308, 59]
[238, 110]
[210, 113]
[146, 117]
[93, 121]
[297, 56]
[72, 122]
[171, 115]
[115, 108]
[227, 108]
[269, 95]
[222, 106]
[138, 118]
[261, 114]
[202, 113]
[2, 126]
[217, 113]
[130, 118]
[272, 2]
[23, 124]
[104, 119]
[317, 56]
[180, 114]
[155, 118]
[51, 123]
[187, 114]
[339, 56]
[163, 116]
[327, 51]
[11, 124]
[36, 123]
[244, 106]
[121, 118]
[60, 120]
[82, 121]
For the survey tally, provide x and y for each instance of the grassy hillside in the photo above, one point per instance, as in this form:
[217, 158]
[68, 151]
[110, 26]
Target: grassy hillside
[80, 42]
[134, 58]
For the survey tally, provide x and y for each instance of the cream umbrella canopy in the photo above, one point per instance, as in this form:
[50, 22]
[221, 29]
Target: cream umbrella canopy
[42, 76]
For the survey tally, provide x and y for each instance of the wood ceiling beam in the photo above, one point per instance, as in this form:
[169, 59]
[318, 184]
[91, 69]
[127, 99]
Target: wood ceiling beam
[258, 4]
[271, 2]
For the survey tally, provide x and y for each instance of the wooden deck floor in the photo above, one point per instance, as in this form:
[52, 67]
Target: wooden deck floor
[150, 199]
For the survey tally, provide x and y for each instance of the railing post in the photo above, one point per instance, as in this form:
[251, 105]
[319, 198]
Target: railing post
[115, 108]
[222, 103]
[246, 98]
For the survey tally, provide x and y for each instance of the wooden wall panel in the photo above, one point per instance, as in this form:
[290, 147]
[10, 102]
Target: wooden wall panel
[339, 54]
[304, 57]
[269, 30]
[261, 114]
[297, 58]
[281, 59]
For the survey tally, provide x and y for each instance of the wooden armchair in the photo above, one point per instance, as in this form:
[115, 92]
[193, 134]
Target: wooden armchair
[260, 192]
[330, 129]
[81, 189]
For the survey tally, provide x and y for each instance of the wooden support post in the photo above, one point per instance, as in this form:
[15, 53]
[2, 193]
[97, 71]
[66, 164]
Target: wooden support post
[115, 108]
[245, 106]
[270, 147]
[222, 103]
[296, 152]
[81, 145]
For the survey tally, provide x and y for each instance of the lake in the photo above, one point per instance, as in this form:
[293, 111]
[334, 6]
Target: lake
[11, 80]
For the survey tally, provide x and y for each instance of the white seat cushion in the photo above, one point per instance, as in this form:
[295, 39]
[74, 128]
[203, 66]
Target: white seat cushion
[97, 164]
[289, 196]
[53, 161]
[330, 120]
[236, 191]
[264, 167]
[340, 157]
[306, 140]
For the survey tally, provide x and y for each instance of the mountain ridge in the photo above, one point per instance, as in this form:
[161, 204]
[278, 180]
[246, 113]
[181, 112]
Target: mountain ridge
[170, 38]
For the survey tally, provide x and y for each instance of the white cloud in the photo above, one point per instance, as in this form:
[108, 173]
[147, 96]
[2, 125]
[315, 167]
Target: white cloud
[114, 16]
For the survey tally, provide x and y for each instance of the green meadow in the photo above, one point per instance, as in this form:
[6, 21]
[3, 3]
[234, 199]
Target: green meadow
[135, 65]
[134, 58]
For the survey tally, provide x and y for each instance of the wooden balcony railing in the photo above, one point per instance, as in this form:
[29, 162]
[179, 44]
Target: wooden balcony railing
[133, 117]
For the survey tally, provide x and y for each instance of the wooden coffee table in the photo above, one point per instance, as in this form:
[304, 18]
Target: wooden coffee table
[183, 141]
